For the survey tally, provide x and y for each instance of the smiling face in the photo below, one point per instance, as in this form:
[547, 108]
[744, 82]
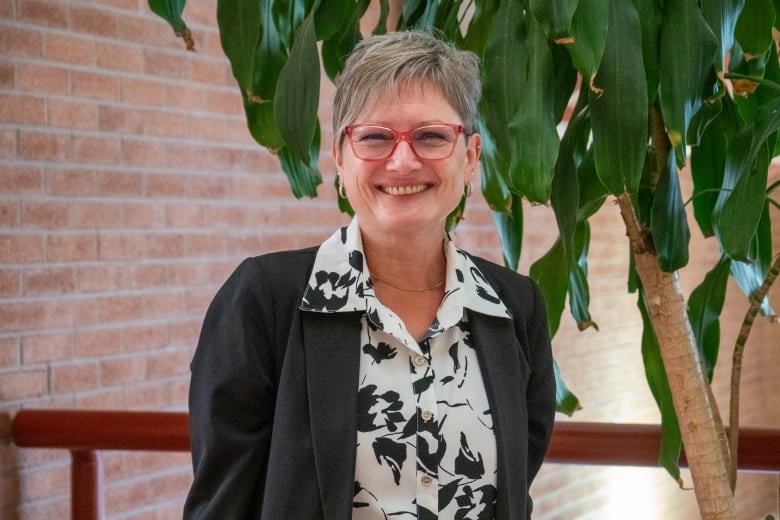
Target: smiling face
[403, 193]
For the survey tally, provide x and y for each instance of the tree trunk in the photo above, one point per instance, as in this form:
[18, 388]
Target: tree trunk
[701, 427]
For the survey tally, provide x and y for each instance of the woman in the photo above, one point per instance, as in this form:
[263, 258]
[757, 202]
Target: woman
[386, 373]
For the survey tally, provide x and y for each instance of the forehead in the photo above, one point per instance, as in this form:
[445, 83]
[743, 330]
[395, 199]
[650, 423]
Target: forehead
[408, 99]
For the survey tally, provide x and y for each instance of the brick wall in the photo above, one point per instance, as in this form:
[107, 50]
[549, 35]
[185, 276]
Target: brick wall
[130, 188]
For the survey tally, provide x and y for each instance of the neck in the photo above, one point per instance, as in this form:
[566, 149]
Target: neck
[408, 264]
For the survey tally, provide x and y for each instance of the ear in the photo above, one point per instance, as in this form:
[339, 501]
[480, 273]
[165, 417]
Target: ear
[335, 153]
[473, 154]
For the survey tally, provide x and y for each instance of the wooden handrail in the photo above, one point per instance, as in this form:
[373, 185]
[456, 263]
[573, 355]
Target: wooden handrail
[84, 432]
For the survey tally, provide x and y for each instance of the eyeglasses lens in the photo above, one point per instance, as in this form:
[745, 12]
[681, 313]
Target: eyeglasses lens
[428, 142]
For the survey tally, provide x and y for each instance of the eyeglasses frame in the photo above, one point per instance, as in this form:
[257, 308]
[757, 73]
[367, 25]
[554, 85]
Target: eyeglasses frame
[406, 136]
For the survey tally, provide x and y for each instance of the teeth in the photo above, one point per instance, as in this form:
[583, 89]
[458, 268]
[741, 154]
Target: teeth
[404, 190]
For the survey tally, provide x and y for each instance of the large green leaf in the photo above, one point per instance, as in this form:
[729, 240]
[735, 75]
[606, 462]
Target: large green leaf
[751, 275]
[741, 201]
[270, 54]
[565, 401]
[298, 93]
[303, 178]
[480, 26]
[510, 232]
[503, 86]
[579, 290]
[619, 111]
[331, 16]
[240, 26]
[336, 48]
[704, 307]
[650, 19]
[261, 123]
[533, 128]
[722, 16]
[590, 35]
[171, 11]
[668, 220]
[688, 49]
[671, 438]
[554, 16]
[551, 273]
[753, 30]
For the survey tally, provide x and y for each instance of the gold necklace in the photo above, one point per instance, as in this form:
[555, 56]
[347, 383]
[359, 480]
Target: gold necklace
[405, 289]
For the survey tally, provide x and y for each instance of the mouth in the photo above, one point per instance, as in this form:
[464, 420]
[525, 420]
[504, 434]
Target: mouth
[404, 190]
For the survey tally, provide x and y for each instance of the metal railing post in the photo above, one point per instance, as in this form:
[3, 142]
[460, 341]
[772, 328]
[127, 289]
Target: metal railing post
[86, 485]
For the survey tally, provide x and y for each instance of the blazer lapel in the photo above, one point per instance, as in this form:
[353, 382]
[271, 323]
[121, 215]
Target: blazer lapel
[499, 357]
[331, 346]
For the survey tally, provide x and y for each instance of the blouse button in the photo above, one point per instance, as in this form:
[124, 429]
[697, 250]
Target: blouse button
[426, 415]
[426, 480]
[419, 361]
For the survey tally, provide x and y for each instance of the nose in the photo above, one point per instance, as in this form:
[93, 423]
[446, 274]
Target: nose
[403, 157]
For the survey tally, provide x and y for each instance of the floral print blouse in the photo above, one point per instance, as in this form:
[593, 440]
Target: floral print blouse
[425, 442]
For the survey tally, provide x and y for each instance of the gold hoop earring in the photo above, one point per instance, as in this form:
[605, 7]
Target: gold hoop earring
[342, 190]
[468, 190]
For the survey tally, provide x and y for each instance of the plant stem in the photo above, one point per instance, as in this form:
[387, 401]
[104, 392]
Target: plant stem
[736, 368]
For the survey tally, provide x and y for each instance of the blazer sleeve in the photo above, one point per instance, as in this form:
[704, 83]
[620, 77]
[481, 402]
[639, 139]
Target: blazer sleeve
[231, 398]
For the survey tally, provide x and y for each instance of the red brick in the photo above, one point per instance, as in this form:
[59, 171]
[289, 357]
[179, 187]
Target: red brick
[166, 185]
[50, 13]
[73, 377]
[67, 48]
[210, 186]
[44, 348]
[145, 337]
[143, 215]
[146, 275]
[170, 485]
[17, 248]
[186, 216]
[94, 85]
[65, 113]
[71, 247]
[164, 246]
[21, 41]
[165, 124]
[189, 273]
[7, 75]
[237, 132]
[100, 399]
[22, 384]
[97, 342]
[191, 97]
[69, 312]
[208, 71]
[142, 91]
[189, 157]
[9, 356]
[50, 508]
[99, 278]
[43, 146]
[119, 246]
[136, 152]
[164, 64]
[121, 371]
[227, 103]
[9, 214]
[46, 214]
[97, 215]
[94, 149]
[20, 179]
[165, 304]
[69, 182]
[184, 332]
[8, 144]
[206, 128]
[120, 119]
[125, 307]
[205, 244]
[151, 396]
[167, 364]
[48, 280]
[118, 57]
[22, 110]
[118, 183]
[10, 282]
[148, 30]
[94, 21]
[46, 79]
[125, 496]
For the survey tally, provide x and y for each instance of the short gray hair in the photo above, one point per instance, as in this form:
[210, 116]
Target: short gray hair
[384, 63]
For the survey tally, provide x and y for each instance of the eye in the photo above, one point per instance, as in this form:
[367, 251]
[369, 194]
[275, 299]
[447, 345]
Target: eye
[366, 135]
[433, 135]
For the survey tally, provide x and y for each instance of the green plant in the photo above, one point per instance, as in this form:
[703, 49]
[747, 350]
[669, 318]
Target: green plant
[658, 84]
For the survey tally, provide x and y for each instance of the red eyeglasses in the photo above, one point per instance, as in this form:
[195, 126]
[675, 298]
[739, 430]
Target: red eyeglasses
[375, 143]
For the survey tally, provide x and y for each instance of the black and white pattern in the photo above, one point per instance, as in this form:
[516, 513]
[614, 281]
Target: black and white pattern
[426, 447]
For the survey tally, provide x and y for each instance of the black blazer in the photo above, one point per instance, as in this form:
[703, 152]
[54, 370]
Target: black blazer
[273, 396]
